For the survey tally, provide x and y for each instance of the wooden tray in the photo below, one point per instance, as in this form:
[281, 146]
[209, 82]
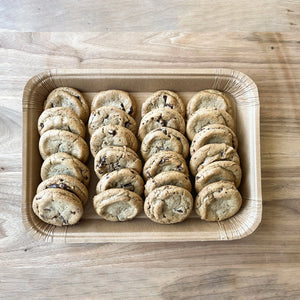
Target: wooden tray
[141, 83]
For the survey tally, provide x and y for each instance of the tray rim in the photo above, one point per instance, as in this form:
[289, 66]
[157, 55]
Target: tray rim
[35, 81]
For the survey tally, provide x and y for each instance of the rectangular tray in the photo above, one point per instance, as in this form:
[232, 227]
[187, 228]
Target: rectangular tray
[141, 83]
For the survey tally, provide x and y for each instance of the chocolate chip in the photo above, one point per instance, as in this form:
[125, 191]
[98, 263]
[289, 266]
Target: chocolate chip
[148, 174]
[77, 97]
[178, 138]
[63, 219]
[179, 167]
[130, 110]
[112, 132]
[165, 98]
[127, 124]
[73, 212]
[162, 161]
[128, 186]
[101, 161]
[42, 125]
[179, 210]
[47, 209]
[161, 121]
[165, 131]
[169, 105]
[122, 106]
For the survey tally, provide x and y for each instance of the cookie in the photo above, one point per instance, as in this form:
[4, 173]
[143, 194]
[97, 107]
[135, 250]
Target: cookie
[57, 207]
[54, 141]
[110, 115]
[214, 134]
[161, 117]
[210, 153]
[204, 117]
[116, 158]
[118, 205]
[112, 135]
[164, 139]
[127, 179]
[116, 98]
[209, 99]
[162, 99]
[216, 171]
[168, 204]
[60, 118]
[218, 201]
[164, 161]
[168, 178]
[65, 164]
[69, 98]
[67, 183]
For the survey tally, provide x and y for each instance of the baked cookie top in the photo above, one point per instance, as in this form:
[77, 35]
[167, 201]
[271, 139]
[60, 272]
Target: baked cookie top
[218, 201]
[112, 135]
[210, 153]
[54, 141]
[162, 99]
[110, 115]
[161, 117]
[57, 207]
[118, 205]
[127, 179]
[204, 117]
[164, 139]
[214, 134]
[60, 118]
[168, 204]
[65, 164]
[115, 158]
[116, 98]
[164, 161]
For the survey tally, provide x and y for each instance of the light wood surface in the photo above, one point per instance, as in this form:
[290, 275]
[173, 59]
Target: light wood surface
[264, 265]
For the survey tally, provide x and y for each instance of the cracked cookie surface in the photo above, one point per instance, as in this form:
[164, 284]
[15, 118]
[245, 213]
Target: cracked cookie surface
[65, 164]
[161, 117]
[110, 115]
[163, 98]
[55, 141]
[116, 98]
[168, 204]
[218, 201]
[115, 158]
[118, 205]
[112, 135]
[57, 207]
[60, 118]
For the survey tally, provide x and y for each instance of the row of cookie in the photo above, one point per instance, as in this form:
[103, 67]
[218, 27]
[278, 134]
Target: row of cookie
[116, 164]
[214, 159]
[63, 192]
[164, 149]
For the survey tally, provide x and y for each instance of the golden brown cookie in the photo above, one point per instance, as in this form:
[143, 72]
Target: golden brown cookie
[218, 201]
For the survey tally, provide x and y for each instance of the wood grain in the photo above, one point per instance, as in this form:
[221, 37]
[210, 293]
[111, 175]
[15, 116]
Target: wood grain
[137, 15]
[264, 265]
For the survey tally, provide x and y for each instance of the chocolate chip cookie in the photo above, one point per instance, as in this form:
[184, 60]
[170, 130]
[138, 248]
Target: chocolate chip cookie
[112, 135]
[115, 158]
[168, 178]
[218, 201]
[214, 134]
[210, 153]
[110, 115]
[127, 179]
[164, 139]
[116, 98]
[209, 99]
[161, 117]
[204, 117]
[54, 141]
[164, 161]
[118, 205]
[67, 183]
[57, 207]
[168, 204]
[161, 99]
[216, 171]
[69, 98]
[60, 118]
[65, 164]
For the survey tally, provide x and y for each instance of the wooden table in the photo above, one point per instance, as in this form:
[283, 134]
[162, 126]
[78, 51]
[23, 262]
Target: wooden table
[264, 265]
